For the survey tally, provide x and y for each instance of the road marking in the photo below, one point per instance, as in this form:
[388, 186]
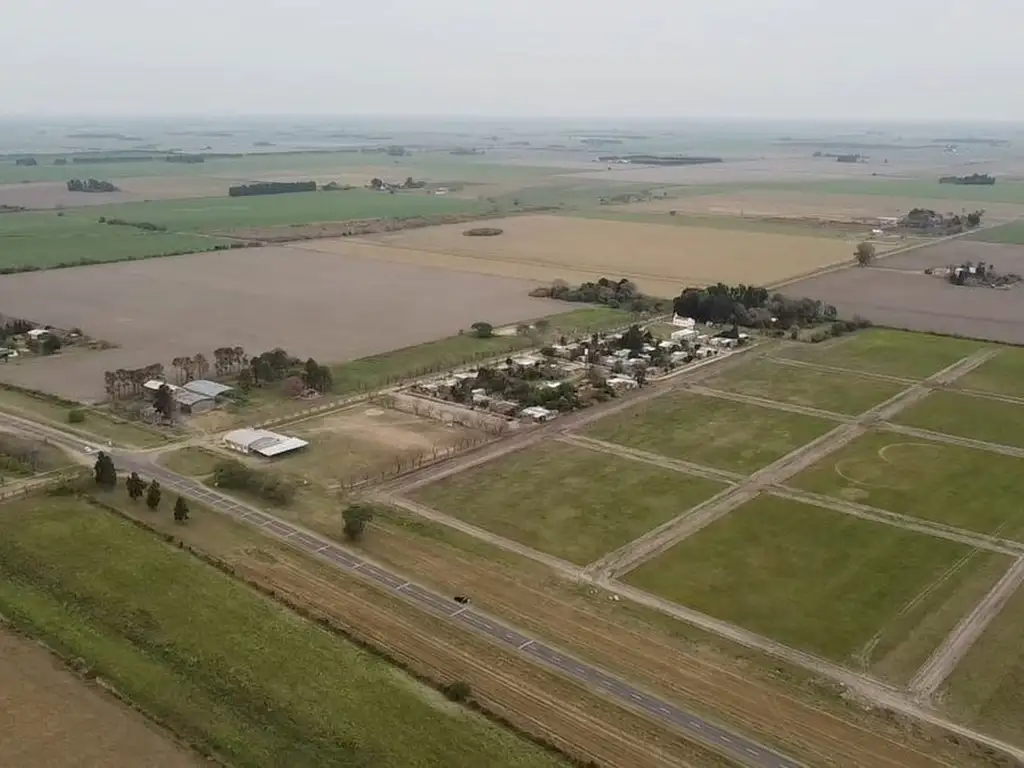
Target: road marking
[400, 587]
[664, 710]
[726, 740]
[525, 645]
[458, 611]
[696, 725]
[357, 566]
[753, 752]
[325, 546]
[636, 697]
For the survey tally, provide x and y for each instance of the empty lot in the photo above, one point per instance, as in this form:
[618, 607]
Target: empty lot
[661, 259]
[51, 719]
[312, 304]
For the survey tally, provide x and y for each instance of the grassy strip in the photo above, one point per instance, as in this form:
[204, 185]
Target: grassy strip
[231, 672]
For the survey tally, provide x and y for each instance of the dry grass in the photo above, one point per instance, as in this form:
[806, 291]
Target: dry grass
[51, 719]
[661, 259]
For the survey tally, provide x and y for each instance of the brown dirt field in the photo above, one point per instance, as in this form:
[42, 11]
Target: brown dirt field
[793, 204]
[54, 194]
[660, 259]
[738, 687]
[919, 302]
[533, 699]
[312, 304]
[1005, 258]
[51, 719]
[365, 441]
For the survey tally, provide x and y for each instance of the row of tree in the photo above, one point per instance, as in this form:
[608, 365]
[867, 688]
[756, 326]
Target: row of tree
[105, 474]
[129, 382]
[90, 185]
[618, 294]
[271, 188]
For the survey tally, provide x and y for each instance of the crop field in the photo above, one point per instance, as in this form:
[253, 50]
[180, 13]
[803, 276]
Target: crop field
[221, 665]
[987, 687]
[567, 501]
[929, 480]
[45, 239]
[44, 195]
[837, 392]
[978, 418]
[915, 189]
[366, 441]
[1004, 257]
[919, 302]
[1011, 234]
[799, 205]
[883, 351]
[157, 309]
[711, 431]
[660, 259]
[1002, 375]
[52, 718]
[824, 581]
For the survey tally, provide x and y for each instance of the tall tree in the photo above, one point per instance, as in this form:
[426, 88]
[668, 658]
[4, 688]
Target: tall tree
[104, 471]
[164, 402]
[865, 253]
[153, 494]
[181, 510]
[110, 384]
[356, 517]
[135, 485]
[202, 365]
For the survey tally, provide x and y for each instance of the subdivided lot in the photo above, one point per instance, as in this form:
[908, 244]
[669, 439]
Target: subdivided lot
[979, 418]
[1002, 375]
[801, 205]
[779, 704]
[566, 501]
[971, 489]
[337, 309]
[987, 687]
[53, 718]
[919, 302]
[883, 351]
[713, 431]
[823, 581]
[837, 392]
[660, 259]
[365, 442]
[222, 666]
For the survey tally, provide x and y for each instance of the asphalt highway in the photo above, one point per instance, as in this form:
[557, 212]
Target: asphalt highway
[740, 748]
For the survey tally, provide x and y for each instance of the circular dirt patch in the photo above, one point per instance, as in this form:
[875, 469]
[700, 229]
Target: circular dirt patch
[901, 466]
[483, 232]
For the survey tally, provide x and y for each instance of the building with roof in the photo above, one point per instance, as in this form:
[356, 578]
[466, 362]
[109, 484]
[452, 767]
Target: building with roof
[186, 400]
[207, 388]
[261, 442]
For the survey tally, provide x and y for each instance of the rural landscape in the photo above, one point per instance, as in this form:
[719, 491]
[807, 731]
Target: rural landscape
[510, 445]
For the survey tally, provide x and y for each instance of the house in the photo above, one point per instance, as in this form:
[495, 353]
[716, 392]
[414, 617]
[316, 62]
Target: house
[526, 361]
[621, 382]
[503, 407]
[683, 322]
[261, 442]
[683, 335]
[538, 414]
[38, 334]
[7, 353]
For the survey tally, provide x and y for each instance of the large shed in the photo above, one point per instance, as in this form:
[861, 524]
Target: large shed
[262, 442]
[207, 388]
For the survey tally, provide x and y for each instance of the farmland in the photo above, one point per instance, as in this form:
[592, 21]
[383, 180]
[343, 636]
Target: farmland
[176, 652]
[977, 418]
[60, 721]
[344, 308]
[661, 259]
[1002, 375]
[711, 431]
[568, 501]
[827, 582]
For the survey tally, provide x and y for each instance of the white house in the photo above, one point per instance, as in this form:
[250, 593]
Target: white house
[684, 335]
[538, 414]
[683, 322]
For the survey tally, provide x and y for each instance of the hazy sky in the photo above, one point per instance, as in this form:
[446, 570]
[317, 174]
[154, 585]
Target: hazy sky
[877, 59]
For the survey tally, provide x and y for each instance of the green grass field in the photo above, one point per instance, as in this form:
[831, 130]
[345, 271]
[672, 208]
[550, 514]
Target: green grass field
[1002, 375]
[810, 577]
[48, 238]
[836, 392]
[987, 687]
[880, 350]
[192, 461]
[979, 418]
[219, 664]
[1001, 192]
[711, 431]
[971, 489]
[567, 501]
[1008, 234]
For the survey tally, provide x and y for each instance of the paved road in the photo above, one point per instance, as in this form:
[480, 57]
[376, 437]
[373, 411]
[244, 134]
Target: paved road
[744, 750]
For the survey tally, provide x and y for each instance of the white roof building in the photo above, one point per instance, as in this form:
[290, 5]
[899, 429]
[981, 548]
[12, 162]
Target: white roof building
[683, 322]
[537, 413]
[37, 333]
[207, 388]
[261, 442]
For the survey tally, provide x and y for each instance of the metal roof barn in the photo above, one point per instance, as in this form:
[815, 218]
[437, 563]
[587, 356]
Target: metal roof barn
[262, 442]
[207, 388]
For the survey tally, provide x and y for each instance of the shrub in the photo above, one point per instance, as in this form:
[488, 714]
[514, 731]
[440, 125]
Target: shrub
[483, 232]
[458, 690]
[76, 416]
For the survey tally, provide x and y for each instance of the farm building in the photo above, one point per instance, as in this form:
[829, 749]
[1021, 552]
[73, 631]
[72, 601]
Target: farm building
[207, 388]
[262, 442]
[538, 414]
[187, 400]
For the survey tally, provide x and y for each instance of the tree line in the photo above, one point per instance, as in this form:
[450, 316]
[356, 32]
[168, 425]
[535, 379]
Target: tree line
[975, 179]
[750, 306]
[271, 188]
[617, 294]
[91, 185]
[105, 475]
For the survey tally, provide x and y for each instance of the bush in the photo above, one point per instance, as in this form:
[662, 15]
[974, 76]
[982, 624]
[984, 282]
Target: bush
[483, 232]
[458, 691]
[267, 485]
[76, 416]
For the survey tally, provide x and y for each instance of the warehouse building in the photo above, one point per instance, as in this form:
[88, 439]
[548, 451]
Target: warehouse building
[261, 442]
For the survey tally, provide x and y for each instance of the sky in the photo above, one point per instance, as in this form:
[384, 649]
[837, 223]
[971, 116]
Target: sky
[766, 59]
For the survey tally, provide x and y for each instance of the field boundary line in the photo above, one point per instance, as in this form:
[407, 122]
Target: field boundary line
[646, 457]
[943, 437]
[837, 369]
[764, 402]
[965, 634]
